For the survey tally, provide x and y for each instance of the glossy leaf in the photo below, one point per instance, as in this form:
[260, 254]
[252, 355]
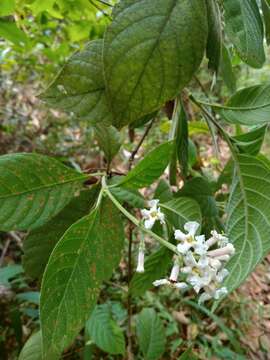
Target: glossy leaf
[79, 87]
[244, 27]
[214, 41]
[84, 257]
[39, 243]
[248, 218]
[249, 106]
[151, 51]
[250, 142]
[109, 140]
[104, 331]
[32, 349]
[150, 168]
[34, 188]
[151, 334]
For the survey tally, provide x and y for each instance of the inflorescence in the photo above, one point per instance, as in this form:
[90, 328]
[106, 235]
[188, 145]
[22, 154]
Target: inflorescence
[199, 263]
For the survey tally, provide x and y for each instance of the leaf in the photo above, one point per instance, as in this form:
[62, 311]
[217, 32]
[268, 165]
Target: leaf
[248, 218]
[251, 142]
[9, 272]
[214, 41]
[266, 17]
[249, 106]
[9, 31]
[32, 349]
[163, 191]
[151, 51]
[155, 267]
[39, 243]
[104, 331]
[29, 296]
[226, 70]
[34, 188]
[150, 168]
[151, 334]
[130, 196]
[84, 257]
[79, 87]
[244, 27]
[182, 141]
[7, 7]
[181, 210]
[142, 121]
[108, 139]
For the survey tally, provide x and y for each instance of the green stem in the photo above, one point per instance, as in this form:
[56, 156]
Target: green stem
[134, 220]
[234, 108]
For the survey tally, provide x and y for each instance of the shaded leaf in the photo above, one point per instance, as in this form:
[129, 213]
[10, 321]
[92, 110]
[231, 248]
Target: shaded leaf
[244, 27]
[266, 17]
[84, 257]
[79, 87]
[214, 41]
[32, 349]
[34, 188]
[130, 196]
[9, 272]
[248, 218]
[39, 243]
[250, 142]
[150, 168]
[104, 331]
[151, 51]
[226, 70]
[109, 141]
[151, 334]
[163, 191]
[249, 106]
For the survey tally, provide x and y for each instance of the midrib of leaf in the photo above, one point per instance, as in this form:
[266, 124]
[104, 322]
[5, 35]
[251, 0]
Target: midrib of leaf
[94, 214]
[82, 93]
[167, 18]
[174, 211]
[82, 177]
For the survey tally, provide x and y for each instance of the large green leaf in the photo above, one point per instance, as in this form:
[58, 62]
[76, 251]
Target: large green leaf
[79, 87]
[248, 218]
[32, 349]
[9, 31]
[34, 188]
[7, 7]
[150, 168]
[245, 29]
[250, 142]
[266, 17]
[104, 331]
[151, 51]
[39, 243]
[214, 41]
[84, 257]
[226, 70]
[151, 334]
[108, 139]
[249, 106]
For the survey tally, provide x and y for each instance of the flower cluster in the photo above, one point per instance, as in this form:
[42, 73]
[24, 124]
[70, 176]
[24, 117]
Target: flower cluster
[199, 262]
[203, 268]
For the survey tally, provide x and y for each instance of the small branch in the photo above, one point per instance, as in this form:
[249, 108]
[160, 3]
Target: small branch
[4, 251]
[105, 3]
[129, 298]
[135, 151]
[100, 9]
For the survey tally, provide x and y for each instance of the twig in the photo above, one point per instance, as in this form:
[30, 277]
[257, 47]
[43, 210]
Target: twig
[105, 3]
[16, 238]
[100, 9]
[4, 251]
[137, 148]
[129, 298]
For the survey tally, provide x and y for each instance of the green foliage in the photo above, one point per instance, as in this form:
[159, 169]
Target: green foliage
[7, 273]
[250, 142]
[84, 257]
[104, 331]
[214, 41]
[9, 31]
[266, 15]
[108, 139]
[129, 196]
[151, 334]
[34, 189]
[79, 88]
[249, 106]
[39, 243]
[248, 218]
[32, 349]
[162, 43]
[226, 70]
[150, 168]
[244, 27]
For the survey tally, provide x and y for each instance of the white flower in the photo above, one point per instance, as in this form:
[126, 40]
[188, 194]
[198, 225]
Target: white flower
[178, 285]
[161, 282]
[140, 265]
[226, 250]
[175, 272]
[187, 241]
[152, 215]
[200, 246]
[220, 239]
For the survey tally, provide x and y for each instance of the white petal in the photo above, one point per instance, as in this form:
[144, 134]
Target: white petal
[215, 263]
[140, 266]
[181, 285]
[161, 217]
[191, 227]
[153, 203]
[220, 292]
[149, 223]
[203, 261]
[145, 213]
[222, 275]
[161, 282]
[179, 235]
[190, 260]
[186, 270]
[175, 273]
[183, 248]
[204, 297]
